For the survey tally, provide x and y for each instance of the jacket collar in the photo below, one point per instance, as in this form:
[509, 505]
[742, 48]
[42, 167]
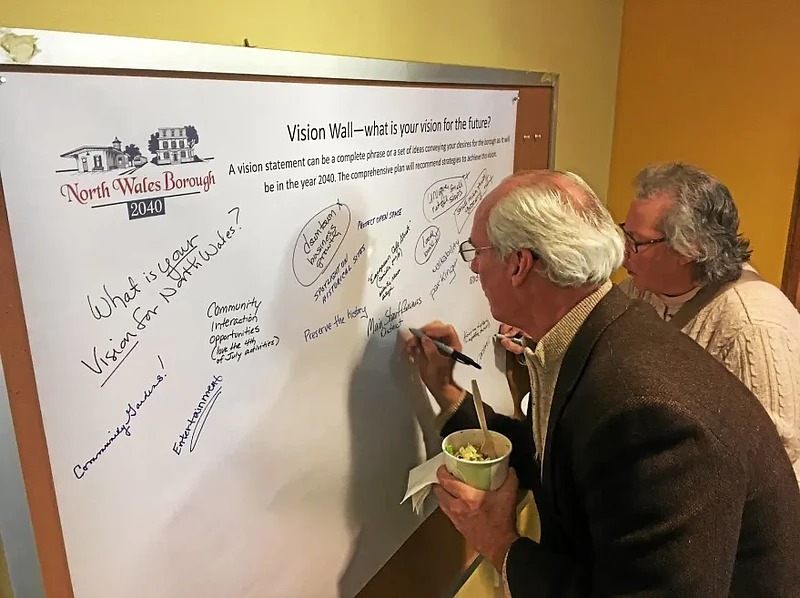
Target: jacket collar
[610, 307]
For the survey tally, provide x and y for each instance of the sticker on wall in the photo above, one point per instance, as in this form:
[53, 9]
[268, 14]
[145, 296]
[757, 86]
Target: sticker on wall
[20, 48]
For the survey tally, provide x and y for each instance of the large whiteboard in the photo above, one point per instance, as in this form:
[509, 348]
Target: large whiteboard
[213, 316]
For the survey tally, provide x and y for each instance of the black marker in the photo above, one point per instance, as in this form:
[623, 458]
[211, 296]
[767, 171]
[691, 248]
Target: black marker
[447, 351]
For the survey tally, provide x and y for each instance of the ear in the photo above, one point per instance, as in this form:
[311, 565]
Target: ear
[685, 260]
[522, 264]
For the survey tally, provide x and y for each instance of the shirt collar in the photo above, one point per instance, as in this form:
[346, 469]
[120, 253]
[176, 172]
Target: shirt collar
[553, 345]
[675, 302]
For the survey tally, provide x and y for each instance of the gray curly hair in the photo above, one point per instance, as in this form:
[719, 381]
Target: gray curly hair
[703, 224]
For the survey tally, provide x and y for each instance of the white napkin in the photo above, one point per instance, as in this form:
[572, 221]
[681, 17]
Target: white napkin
[420, 480]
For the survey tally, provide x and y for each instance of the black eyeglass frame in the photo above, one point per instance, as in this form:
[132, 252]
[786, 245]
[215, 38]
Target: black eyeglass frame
[466, 246]
[634, 244]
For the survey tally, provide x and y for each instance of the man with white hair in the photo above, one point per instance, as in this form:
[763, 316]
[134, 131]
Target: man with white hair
[655, 471]
[686, 257]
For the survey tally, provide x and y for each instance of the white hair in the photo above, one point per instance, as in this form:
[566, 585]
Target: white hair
[565, 225]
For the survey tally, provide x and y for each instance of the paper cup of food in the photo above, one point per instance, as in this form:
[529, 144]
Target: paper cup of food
[463, 458]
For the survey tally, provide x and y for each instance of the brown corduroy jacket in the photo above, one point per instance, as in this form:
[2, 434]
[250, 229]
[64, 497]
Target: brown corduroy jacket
[663, 475]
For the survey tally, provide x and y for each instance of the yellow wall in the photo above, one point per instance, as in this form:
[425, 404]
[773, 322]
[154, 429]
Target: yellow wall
[717, 83]
[579, 39]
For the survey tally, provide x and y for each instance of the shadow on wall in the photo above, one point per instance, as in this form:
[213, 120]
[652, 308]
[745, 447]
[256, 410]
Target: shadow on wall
[378, 425]
[278, 515]
[386, 400]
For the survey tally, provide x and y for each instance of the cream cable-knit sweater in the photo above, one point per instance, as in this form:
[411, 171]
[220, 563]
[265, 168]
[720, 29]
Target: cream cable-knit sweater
[754, 330]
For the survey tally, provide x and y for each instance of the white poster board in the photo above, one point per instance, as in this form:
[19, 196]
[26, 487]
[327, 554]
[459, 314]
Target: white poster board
[213, 274]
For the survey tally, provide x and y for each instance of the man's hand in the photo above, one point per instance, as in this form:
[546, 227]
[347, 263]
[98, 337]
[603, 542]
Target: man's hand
[511, 332]
[519, 382]
[486, 519]
[435, 370]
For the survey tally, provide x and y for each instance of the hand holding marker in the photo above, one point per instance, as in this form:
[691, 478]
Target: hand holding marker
[447, 351]
[517, 341]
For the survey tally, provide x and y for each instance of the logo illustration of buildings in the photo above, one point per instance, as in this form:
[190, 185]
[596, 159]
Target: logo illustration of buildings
[174, 145]
[169, 146]
[98, 158]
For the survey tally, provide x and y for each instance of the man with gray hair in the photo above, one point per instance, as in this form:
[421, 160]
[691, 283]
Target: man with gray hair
[646, 457]
[686, 257]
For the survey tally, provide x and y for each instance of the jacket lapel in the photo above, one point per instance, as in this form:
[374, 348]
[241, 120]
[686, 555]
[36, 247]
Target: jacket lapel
[610, 307]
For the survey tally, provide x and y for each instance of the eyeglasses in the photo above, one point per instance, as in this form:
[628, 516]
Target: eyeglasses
[634, 244]
[469, 252]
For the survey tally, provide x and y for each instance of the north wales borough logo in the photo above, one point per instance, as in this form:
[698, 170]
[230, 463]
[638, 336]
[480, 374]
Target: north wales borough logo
[142, 184]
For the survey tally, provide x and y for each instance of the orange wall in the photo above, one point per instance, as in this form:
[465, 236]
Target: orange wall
[717, 83]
